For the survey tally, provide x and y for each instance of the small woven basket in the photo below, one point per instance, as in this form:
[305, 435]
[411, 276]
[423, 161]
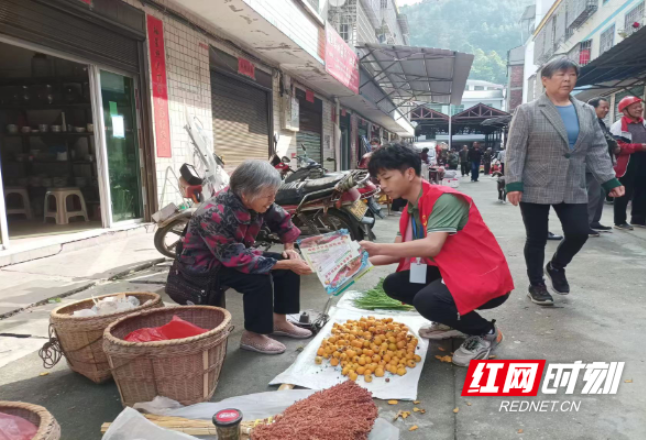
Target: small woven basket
[81, 338]
[48, 428]
[186, 370]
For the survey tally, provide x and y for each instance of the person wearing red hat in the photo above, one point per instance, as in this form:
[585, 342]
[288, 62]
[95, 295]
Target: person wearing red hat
[630, 132]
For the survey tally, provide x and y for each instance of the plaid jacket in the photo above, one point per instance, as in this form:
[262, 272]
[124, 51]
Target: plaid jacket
[540, 162]
[222, 231]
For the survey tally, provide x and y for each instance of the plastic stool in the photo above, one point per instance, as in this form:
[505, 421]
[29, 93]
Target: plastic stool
[22, 192]
[62, 215]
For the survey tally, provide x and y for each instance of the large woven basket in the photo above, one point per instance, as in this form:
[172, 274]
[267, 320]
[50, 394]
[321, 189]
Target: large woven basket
[81, 338]
[186, 370]
[48, 428]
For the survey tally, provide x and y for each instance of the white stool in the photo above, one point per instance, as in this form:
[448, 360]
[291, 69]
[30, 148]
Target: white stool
[62, 215]
[22, 192]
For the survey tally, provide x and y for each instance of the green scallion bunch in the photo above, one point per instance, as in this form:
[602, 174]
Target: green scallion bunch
[376, 299]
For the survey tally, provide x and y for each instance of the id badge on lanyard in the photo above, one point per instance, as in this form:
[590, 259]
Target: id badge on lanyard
[417, 266]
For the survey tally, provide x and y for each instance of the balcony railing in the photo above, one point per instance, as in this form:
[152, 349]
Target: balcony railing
[578, 11]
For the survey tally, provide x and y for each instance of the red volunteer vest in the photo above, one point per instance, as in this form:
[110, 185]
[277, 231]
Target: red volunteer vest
[471, 262]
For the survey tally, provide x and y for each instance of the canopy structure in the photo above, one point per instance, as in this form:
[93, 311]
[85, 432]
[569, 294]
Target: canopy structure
[413, 75]
[623, 66]
[474, 120]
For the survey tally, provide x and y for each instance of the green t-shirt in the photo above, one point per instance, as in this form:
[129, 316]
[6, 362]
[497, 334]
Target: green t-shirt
[450, 214]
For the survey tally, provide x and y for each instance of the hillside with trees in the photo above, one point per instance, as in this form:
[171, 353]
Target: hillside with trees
[485, 28]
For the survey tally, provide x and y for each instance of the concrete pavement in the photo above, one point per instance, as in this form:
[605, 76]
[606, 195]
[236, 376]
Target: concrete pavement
[30, 283]
[602, 320]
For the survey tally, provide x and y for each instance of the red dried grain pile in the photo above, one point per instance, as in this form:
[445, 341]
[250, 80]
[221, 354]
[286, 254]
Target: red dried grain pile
[343, 412]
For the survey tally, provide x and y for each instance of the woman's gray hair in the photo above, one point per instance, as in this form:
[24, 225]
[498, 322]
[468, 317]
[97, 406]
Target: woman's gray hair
[252, 176]
[557, 64]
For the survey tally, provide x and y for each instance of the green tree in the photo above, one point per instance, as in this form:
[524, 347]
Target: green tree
[485, 28]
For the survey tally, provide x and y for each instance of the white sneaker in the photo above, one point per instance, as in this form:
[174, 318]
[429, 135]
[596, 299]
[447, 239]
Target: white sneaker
[438, 332]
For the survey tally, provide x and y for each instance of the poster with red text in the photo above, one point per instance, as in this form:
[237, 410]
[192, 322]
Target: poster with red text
[340, 60]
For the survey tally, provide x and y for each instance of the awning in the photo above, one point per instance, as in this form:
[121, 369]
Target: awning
[373, 104]
[624, 61]
[412, 75]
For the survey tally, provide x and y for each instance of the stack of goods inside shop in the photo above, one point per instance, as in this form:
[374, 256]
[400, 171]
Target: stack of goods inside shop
[46, 143]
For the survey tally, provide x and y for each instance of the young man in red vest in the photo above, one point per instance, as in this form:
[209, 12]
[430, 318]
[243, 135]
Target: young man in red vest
[450, 264]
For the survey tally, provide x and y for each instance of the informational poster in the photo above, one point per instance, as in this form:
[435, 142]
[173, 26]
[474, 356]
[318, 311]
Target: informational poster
[337, 260]
[340, 60]
[160, 86]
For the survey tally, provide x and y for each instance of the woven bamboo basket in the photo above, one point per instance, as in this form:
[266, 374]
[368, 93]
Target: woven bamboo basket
[186, 370]
[48, 428]
[81, 338]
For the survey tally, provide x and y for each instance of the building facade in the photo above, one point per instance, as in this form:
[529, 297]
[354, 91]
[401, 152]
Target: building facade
[261, 76]
[583, 30]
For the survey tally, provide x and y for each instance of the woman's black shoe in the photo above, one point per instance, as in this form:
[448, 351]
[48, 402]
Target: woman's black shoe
[539, 295]
[557, 277]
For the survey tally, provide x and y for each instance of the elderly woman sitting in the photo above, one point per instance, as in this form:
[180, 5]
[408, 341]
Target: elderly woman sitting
[219, 239]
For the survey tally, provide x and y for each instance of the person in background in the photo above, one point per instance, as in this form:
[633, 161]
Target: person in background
[439, 273]
[425, 156]
[465, 166]
[375, 144]
[630, 133]
[502, 154]
[218, 241]
[487, 157]
[596, 194]
[475, 157]
[454, 160]
[550, 142]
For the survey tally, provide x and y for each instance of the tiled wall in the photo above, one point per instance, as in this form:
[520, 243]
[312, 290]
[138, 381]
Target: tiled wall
[189, 89]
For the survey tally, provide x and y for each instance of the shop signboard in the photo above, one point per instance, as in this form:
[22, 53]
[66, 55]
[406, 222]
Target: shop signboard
[159, 84]
[340, 60]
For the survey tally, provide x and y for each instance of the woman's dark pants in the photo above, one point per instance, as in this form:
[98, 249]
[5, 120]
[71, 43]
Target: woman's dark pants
[574, 220]
[264, 294]
[434, 301]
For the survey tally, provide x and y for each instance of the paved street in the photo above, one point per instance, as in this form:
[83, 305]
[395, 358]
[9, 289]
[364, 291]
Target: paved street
[602, 320]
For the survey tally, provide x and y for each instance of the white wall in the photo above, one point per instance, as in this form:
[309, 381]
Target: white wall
[613, 11]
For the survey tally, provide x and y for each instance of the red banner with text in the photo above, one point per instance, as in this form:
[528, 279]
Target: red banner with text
[160, 85]
[340, 60]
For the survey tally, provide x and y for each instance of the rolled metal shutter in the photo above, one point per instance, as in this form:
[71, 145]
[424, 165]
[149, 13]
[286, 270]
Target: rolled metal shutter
[240, 120]
[309, 134]
[68, 30]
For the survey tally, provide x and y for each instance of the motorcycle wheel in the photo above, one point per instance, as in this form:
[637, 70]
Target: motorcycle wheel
[336, 220]
[166, 238]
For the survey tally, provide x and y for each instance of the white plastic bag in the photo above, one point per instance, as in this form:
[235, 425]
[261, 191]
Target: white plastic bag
[130, 425]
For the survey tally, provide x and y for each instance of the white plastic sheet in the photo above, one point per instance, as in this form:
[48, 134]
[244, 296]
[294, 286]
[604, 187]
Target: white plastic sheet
[304, 372]
[252, 406]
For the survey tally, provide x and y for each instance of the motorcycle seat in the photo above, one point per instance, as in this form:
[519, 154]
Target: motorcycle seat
[311, 185]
